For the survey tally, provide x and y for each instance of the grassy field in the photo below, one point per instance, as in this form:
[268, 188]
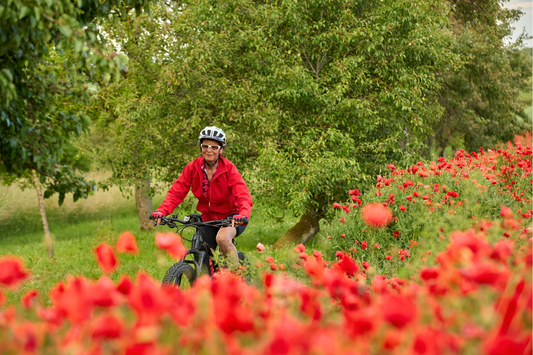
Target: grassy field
[78, 227]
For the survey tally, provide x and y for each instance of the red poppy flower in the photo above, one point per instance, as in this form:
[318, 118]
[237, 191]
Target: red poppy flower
[127, 243]
[376, 215]
[364, 245]
[125, 285]
[354, 192]
[388, 257]
[506, 212]
[107, 326]
[429, 273]
[366, 264]
[300, 248]
[336, 205]
[392, 340]
[402, 208]
[376, 246]
[172, 243]
[507, 344]
[416, 194]
[12, 271]
[147, 297]
[452, 193]
[105, 256]
[260, 247]
[28, 299]
[398, 310]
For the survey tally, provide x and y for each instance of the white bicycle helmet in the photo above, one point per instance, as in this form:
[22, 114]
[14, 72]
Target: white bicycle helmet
[214, 133]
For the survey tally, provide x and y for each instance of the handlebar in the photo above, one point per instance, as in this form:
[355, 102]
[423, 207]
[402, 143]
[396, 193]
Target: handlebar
[171, 222]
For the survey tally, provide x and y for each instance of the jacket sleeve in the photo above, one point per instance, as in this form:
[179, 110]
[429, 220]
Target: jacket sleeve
[180, 188]
[241, 192]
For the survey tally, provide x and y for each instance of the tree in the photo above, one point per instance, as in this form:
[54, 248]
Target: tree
[47, 52]
[481, 100]
[148, 139]
[314, 95]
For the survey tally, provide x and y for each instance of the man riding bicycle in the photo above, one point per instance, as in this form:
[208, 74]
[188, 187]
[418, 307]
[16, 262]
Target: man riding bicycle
[220, 190]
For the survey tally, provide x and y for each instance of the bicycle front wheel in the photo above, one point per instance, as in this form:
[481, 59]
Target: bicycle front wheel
[180, 274]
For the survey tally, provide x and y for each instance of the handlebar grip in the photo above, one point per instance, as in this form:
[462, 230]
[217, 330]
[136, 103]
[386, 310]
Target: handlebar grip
[156, 215]
[242, 219]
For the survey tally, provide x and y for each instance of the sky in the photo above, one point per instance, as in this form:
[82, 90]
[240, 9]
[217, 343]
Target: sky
[525, 21]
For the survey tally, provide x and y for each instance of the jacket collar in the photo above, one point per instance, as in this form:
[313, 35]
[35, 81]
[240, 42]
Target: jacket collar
[222, 165]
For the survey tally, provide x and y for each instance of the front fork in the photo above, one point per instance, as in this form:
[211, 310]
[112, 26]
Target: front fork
[200, 257]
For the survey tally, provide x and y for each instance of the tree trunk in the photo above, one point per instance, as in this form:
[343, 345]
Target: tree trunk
[144, 204]
[302, 231]
[47, 236]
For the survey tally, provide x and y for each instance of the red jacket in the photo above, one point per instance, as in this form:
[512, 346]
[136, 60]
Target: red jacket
[227, 192]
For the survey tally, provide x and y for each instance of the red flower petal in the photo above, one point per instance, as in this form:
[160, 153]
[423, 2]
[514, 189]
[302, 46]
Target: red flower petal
[105, 256]
[127, 243]
[376, 215]
[12, 271]
[172, 243]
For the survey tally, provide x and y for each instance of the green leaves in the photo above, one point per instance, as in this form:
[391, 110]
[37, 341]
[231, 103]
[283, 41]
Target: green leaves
[481, 95]
[44, 71]
[313, 95]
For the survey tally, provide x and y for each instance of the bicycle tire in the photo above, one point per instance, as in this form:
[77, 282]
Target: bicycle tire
[175, 273]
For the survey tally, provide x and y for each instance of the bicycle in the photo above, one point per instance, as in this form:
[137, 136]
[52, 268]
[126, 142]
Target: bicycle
[201, 252]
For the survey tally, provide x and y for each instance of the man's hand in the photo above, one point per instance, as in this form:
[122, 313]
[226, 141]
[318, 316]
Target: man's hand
[157, 217]
[239, 220]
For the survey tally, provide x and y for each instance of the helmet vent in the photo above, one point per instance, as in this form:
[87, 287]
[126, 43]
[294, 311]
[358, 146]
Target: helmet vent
[214, 133]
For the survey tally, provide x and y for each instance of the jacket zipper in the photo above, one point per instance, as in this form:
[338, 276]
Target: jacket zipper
[213, 178]
[209, 186]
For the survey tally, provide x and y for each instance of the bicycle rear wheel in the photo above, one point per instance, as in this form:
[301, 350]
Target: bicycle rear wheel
[180, 274]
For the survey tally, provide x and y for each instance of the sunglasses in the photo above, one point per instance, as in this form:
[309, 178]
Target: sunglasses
[214, 148]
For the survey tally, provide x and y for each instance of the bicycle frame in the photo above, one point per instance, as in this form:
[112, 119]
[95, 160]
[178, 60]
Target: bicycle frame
[197, 243]
[199, 255]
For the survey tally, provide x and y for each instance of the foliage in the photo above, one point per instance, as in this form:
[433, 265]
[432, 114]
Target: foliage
[47, 51]
[312, 94]
[481, 100]
[147, 136]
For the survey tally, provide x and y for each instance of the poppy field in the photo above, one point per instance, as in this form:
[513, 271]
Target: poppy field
[435, 259]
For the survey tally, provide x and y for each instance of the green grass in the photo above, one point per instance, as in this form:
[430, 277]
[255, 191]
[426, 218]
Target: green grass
[79, 227]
